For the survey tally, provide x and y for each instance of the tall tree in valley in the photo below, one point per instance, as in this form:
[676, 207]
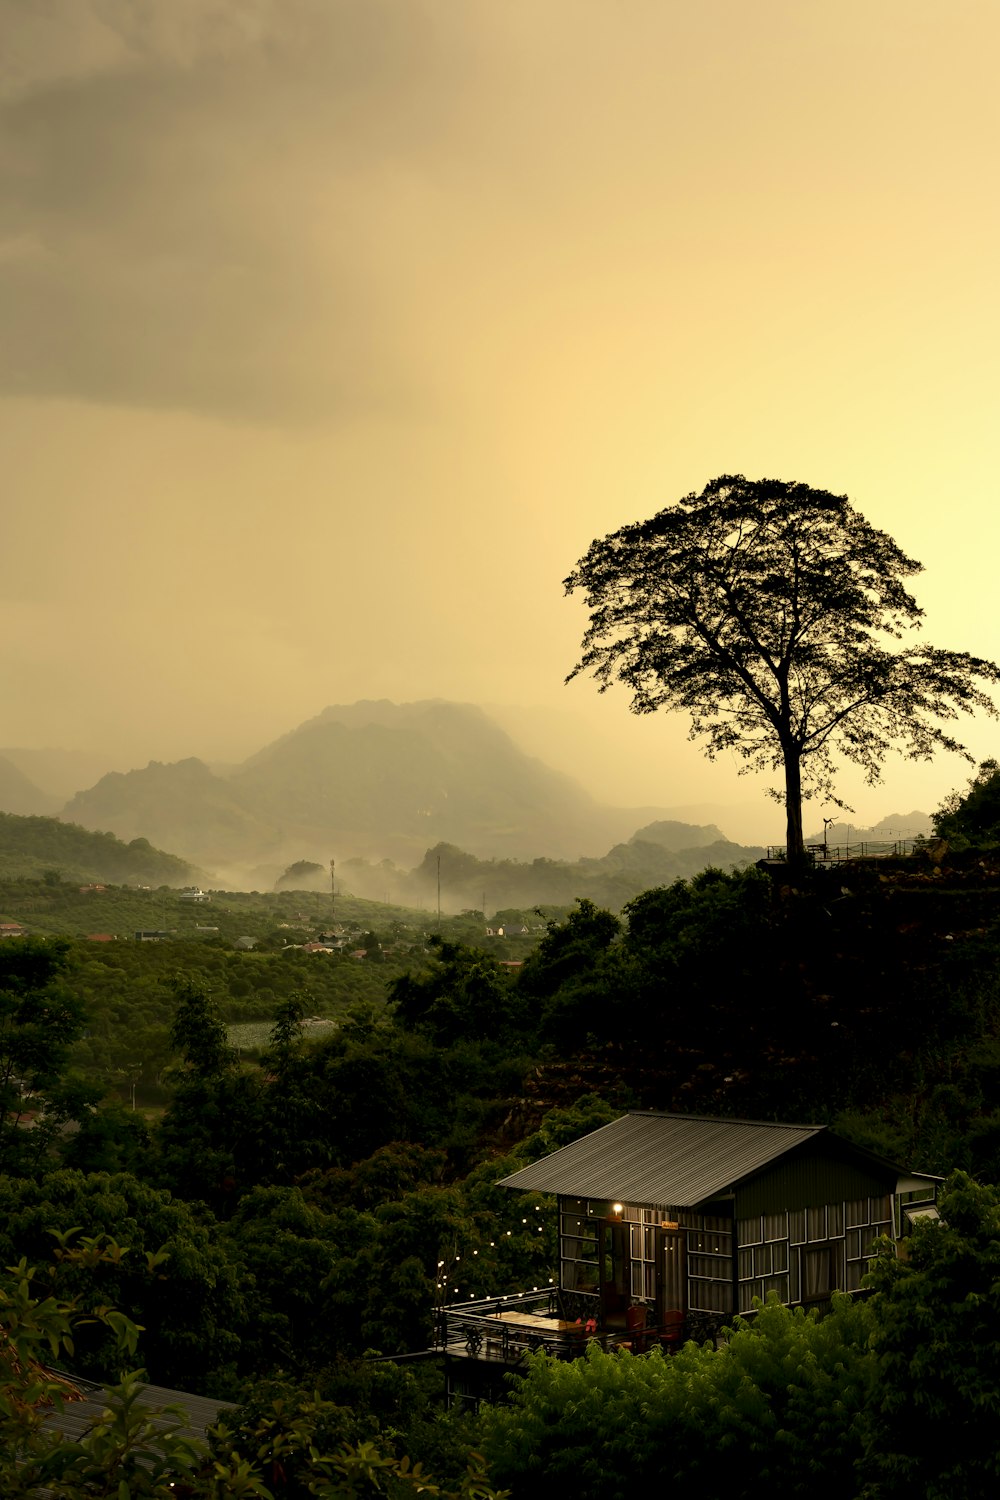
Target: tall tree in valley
[208, 1140]
[771, 613]
[40, 1018]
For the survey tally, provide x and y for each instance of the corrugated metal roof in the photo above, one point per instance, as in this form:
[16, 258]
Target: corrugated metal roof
[77, 1417]
[675, 1160]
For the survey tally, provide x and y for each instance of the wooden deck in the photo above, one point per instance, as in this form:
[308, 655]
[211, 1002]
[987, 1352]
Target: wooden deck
[502, 1330]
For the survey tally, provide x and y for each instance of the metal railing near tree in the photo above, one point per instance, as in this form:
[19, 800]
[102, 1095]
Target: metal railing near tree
[866, 849]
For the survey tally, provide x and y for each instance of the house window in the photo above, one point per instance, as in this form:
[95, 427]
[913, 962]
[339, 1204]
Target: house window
[642, 1253]
[776, 1226]
[711, 1296]
[816, 1224]
[709, 1261]
[579, 1245]
[751, 1230]
[822, 1271]
[815, 1255]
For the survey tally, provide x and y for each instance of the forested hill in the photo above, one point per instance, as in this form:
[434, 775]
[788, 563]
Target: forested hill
[655, 855]
[32, 846]
[271, 1216]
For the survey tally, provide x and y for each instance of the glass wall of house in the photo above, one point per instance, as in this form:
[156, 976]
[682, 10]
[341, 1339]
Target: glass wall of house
[580, 1242]
[611, 1246]
[805, 1254]
[627, 1253]
[709, 1262]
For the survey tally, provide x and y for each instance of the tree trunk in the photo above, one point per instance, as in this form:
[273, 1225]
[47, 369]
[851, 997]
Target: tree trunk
[795, 849]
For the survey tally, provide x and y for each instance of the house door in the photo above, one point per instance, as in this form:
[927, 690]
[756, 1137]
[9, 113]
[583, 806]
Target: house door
[671, 1277]
[616, 1274]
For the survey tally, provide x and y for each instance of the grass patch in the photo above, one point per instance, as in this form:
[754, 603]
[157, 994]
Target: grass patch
[253, 1036]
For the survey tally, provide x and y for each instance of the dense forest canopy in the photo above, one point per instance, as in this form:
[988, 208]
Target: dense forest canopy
[265, 1217]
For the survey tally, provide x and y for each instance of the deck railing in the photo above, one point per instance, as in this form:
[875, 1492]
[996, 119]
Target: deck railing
[477, 1330]
[492, 1328]
[867, 849]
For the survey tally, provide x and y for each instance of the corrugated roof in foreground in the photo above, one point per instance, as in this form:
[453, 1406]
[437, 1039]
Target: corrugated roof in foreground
[88, 1401]
[675, 1160]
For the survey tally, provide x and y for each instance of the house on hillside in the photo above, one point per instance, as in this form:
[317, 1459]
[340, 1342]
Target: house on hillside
[671, 1224]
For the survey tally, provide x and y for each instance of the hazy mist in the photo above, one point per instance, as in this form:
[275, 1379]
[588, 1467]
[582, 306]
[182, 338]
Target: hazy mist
[333, 331]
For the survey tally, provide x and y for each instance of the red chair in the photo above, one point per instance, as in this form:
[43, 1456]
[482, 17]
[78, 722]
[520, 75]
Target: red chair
[635, 1324]
[672, 1330]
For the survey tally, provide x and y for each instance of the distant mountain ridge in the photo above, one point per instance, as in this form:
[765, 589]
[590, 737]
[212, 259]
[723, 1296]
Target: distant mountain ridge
[374, 780]
[497, 884]
[181, 805]
[377, 784]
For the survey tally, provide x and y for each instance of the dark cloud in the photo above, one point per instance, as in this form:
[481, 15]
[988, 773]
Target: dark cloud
[196, 223]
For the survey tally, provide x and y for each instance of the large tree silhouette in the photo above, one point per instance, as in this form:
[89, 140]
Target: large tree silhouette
[772, 613]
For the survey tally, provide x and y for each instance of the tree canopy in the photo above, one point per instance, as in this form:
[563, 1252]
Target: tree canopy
[771, 613]
[39, 1020]
[932, 1419]
[971, 819]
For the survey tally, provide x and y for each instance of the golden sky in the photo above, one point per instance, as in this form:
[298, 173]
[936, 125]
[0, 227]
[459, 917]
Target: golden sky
[333, 331]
